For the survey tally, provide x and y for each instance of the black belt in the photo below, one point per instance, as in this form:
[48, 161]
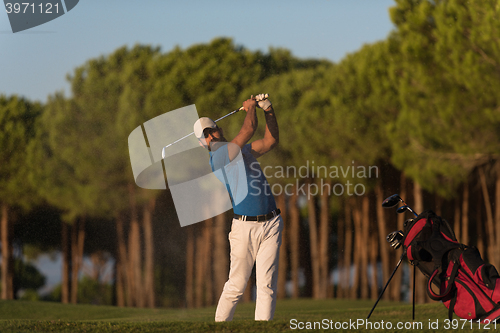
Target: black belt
[258, 218]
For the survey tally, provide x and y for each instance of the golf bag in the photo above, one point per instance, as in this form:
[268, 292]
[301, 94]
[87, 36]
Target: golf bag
[465, 284]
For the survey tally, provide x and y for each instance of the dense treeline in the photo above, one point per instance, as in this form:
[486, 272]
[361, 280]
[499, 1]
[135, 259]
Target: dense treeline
[415, 114]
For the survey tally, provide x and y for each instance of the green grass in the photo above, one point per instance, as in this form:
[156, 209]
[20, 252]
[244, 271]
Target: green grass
[25, 316]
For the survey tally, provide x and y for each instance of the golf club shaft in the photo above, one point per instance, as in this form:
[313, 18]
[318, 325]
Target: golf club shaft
[188, 135]
[409, 208]
[227, 115]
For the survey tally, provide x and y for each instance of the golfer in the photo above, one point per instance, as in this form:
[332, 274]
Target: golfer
[255, 236]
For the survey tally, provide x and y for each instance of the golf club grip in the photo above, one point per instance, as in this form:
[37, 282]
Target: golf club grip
[266, 96]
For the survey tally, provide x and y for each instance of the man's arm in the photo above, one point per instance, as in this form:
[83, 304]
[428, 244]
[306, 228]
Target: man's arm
[271, 135]
[247, 130]
[249, 124]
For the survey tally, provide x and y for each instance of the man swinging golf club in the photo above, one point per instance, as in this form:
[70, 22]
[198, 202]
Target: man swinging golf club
[255, 235]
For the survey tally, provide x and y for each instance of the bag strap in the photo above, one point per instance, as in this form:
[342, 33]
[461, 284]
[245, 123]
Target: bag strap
[438, 297]
[451, 308]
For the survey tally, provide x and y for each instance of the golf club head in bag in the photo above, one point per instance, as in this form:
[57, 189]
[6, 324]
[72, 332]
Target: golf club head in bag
[395, 239]
[391, 201]
[394, 200]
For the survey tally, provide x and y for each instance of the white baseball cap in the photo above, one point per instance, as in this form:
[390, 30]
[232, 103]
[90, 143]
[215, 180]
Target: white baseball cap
[201, 124]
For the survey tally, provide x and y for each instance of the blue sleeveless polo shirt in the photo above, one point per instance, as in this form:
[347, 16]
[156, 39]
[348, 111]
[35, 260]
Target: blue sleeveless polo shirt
[243, 177]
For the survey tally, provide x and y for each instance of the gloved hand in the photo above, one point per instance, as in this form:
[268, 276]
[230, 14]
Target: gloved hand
[263, 102]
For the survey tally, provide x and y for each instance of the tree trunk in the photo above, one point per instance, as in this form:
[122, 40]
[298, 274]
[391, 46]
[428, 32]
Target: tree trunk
[372, 236]
[203, 293]
[221, 254]
[341, 248]
[190, 266]
[248, 293]
[456, 219]
[397, 280]
[465, 215]
[497, 213]
[313, 239]
[363, 216]
[374, 251]
[421, 296]
[357, 252]
[349, 235]
[207, 252]
[479, 225]
[283, 260]
[489, 217]
[7, 258]
[360, 255]
[134, 247]
[324, 238]
[382, 232]
[439, 204]
[119, 285]
[135, 252]
[149, 286]
[418, 197]
[199, 267]
[77, 245]
[66, 261]
[294, 244]
[123, 260]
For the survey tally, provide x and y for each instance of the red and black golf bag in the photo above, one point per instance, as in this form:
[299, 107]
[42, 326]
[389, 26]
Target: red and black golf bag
[457, 275]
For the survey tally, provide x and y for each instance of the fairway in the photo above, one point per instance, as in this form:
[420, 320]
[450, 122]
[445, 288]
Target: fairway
[291, 315]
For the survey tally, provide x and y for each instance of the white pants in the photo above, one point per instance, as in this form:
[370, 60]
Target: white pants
[259, 243]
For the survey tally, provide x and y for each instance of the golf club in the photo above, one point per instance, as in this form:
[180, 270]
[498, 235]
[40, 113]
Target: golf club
[395, 238]
[402, 209]
[395, 199]
[188, 135]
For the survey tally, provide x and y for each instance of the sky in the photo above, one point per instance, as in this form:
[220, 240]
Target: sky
[35, 63]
